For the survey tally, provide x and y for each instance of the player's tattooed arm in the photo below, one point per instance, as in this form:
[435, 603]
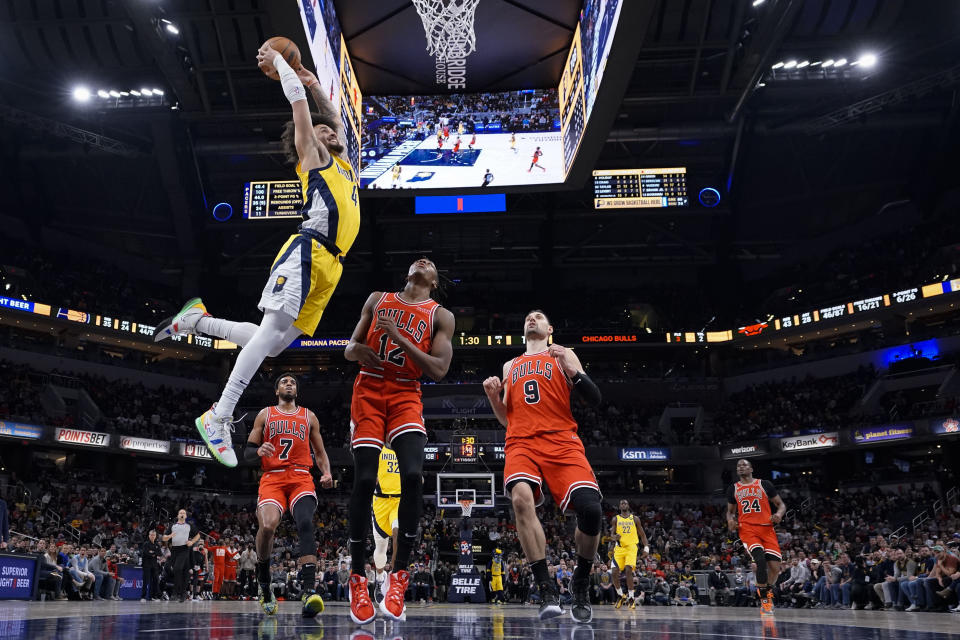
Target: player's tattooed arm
[436, 363]
[319, 451]
[256, 448]
[326, 108]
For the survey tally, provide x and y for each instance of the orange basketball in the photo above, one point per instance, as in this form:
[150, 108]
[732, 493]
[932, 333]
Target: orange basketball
[287, 49]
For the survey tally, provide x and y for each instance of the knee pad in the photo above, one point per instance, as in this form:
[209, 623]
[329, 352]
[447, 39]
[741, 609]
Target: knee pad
[303, 517]
[380, 550]
[586, 503]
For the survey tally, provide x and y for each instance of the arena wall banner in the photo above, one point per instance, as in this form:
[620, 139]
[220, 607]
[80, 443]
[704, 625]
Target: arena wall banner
[940, 426]
[466, 585]
[133, 443]
[78, 436]
[882, 434]
[133, 581]
[195, 450]
[815, 441]
[643, 455]
[744, 450]
[18, 576]
[19, 430]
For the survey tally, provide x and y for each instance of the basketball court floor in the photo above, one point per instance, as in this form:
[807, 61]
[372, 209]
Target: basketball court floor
[241, 620]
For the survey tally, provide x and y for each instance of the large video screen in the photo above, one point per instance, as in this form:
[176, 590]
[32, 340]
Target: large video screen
[583, 72]
[333, 68]
[456, 141]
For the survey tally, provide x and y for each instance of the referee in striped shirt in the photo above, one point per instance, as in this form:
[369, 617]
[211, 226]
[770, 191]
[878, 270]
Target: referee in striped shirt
[182, 537]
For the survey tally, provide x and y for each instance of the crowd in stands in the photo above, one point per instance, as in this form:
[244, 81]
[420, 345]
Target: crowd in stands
[841, 549]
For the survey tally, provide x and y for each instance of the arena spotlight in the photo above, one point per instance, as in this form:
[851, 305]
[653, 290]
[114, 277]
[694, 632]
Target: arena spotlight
[827, 63]
[114, 94]
[146, 92]
[103, 94]
[801, 65]
[867, 60]
[157, 92]
[81, 94]
[790, 65]
[778, 65]
[172, 29]
[757, 3]
[134, 92]
[839, 63]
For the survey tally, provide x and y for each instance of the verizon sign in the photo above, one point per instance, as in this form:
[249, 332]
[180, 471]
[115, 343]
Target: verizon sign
[144, 444]
[194, 450]
[89, 438]
[815, 441]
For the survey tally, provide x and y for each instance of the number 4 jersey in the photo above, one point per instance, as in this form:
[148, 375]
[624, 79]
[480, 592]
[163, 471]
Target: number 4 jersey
[752, 501]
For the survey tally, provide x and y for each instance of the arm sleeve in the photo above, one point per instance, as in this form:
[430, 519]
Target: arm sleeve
[250, 452]
[586, 388]
[769, 489]
[292, 87]
[731, 496]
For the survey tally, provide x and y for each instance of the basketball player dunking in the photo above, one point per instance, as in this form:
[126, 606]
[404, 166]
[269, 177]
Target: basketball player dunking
[281, 438]
[307, 268]
[542, 446]
[399, 338]
[748, 507]
[628, 532]
[386, 509]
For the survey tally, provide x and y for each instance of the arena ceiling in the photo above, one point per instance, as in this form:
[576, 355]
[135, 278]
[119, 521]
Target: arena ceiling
[800, 153]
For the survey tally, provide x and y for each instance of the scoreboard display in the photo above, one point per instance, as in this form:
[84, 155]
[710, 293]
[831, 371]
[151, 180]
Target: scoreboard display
[465, 449]
[268, 200]
[640, 188]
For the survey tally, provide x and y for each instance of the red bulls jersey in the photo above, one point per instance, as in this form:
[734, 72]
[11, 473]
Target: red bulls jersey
[753, 501]
[231, 558]
[538, 396]
[290, 435]
[219, 554]
[415, 321]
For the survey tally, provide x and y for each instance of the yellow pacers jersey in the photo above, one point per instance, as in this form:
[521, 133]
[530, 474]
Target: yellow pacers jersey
[627, 529]
[388, 474]
[496, 567]
[331, 204]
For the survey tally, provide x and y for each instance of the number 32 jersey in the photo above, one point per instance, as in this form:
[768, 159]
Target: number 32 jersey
[538, 396]
[752, 501]
[289, 433]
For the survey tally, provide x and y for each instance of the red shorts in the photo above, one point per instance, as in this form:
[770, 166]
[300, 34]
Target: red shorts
[383, 409]
[760, 536]
[230, 573]
[283, 487]
[556, 458]
[218, 571]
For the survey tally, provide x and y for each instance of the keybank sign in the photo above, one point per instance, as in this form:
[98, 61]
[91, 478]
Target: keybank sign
[635, 455]
[815, 441]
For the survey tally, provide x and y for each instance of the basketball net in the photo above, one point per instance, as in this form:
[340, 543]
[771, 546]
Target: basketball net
[448, 26]
[466, 506]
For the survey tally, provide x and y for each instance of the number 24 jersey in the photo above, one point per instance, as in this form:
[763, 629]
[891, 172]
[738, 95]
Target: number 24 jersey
[752, 501]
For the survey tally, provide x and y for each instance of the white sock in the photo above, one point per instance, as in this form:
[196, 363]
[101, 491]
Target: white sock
[270, 337]
[236, 332]
[619, 591]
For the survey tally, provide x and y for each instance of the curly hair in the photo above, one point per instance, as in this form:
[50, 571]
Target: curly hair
[288, 137]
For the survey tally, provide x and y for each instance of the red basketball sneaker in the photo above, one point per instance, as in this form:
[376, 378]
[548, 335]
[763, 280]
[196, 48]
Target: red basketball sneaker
[361, 609]
[393, 605]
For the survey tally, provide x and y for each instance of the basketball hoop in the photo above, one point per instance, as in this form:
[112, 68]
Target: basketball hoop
[448, 26]
[466, 506]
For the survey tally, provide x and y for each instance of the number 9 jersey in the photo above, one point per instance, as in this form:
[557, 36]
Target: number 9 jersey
[538, 396]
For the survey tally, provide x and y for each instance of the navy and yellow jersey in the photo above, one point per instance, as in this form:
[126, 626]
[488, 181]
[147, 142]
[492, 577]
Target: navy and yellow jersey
[626, 527]
[496, 566]
[388, 475]
[331, 207]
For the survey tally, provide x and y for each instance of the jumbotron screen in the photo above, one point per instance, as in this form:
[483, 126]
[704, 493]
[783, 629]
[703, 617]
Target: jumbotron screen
[456, 141]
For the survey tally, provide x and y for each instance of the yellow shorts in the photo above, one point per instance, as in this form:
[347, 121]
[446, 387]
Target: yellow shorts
[302, 280]
[625, 556]
[385, 514]
[496, 583]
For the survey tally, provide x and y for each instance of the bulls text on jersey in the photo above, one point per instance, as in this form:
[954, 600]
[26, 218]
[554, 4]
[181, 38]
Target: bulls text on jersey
[286, 427]
[535, 367]
[405, 321]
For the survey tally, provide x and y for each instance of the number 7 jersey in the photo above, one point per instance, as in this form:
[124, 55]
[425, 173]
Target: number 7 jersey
[289, 433]
[538, 396]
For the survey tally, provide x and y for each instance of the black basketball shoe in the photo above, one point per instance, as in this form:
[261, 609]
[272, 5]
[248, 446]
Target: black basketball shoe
[581, 611]
[550, 604]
